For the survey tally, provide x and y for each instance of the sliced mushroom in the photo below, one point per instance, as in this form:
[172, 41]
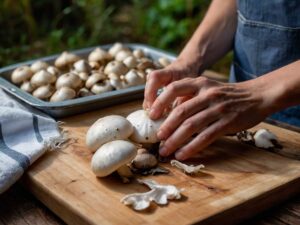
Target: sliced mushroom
[160, 194]
[107, 129]
[21, 74]
[189, 169]
[112, 156]
[26, 86]
[102, 87]
[99, 55]
[82, 66]
[94, 78]
[62, 94]
[43, 92]
[70, 80]
[38, 65]
[42, 78]
[115, 67]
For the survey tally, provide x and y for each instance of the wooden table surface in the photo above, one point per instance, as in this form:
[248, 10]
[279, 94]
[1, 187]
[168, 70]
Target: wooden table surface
[18, 207]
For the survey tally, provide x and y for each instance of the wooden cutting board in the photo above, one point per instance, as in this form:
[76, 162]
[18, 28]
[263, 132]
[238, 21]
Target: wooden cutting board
[238, 181]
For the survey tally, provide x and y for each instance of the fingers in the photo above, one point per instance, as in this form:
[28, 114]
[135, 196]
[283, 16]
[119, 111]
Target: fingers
[171, 92]
[205, 138]
[156, 80]
[189, 127]
[180, 114]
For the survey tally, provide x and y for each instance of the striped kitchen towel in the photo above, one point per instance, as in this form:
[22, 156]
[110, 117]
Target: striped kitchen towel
[25, 134]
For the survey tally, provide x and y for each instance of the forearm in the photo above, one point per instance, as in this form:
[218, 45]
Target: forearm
[280, 88]
[214, 36]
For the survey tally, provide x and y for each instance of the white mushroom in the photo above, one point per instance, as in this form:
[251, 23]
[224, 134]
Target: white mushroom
[53, 70]
[116, 48]
[66, 59]
[42, 78]
[94, 78]
[117, 82]
[112, 156]
[43, 92]
[62, 94]
[144, 64]
[133, 78]
[21, 74]
[38, 65]
[189, 169]
[99, 55]
[82, 66]
[69, 80]
[130, 61]
[83, 76]
[83, 92]
[158, 194]
[264, 139]
[138, 53]
[145, 129]
[144, 160]
[115, 67]
[26, 86]
[102, 87]
[164, 62]
[122, 55]
[94, 65]
[107, 129]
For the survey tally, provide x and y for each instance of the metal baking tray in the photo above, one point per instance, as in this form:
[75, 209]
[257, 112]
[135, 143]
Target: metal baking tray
[83, 104]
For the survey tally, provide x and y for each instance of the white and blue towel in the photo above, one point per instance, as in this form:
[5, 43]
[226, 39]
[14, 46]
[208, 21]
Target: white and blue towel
[25, 134]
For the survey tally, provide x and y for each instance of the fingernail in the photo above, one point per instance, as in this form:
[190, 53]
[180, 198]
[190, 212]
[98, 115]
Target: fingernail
[163, 151]
[160, 135]
[180, 155]
[153, 113]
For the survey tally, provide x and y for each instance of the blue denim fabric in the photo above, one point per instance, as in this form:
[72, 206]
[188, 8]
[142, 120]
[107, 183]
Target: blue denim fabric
[267, 38]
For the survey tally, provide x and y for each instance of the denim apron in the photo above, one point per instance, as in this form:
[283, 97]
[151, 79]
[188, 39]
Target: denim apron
[267, 38]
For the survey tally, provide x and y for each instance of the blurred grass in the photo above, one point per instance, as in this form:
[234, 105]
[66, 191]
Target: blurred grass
[31, 29]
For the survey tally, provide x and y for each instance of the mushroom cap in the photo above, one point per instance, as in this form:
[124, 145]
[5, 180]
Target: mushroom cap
[99, 55]
[130, 62]
[94, 78]
[53, 70]
[71, 80]
[145, 129]
[102, 87]
[26, 86]
[133, 78]
[62, 94]
[116, 48]
[164, 62]
[38, 65]
[65, 59]
[43, 92]
[123, 54]
[138, 53]
[83, 92]
[107, 129]
[115, 67]
[21, 74]
[111, 156]
[82, 66]
[42, 78]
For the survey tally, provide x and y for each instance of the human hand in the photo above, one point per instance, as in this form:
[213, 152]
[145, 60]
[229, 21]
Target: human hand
[157, 79]
[213, 110]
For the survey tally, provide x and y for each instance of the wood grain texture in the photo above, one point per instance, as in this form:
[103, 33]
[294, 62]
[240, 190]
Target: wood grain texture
[238, 182]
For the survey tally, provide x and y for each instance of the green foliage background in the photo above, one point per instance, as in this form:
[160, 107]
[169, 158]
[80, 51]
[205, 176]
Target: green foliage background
[35, 28]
